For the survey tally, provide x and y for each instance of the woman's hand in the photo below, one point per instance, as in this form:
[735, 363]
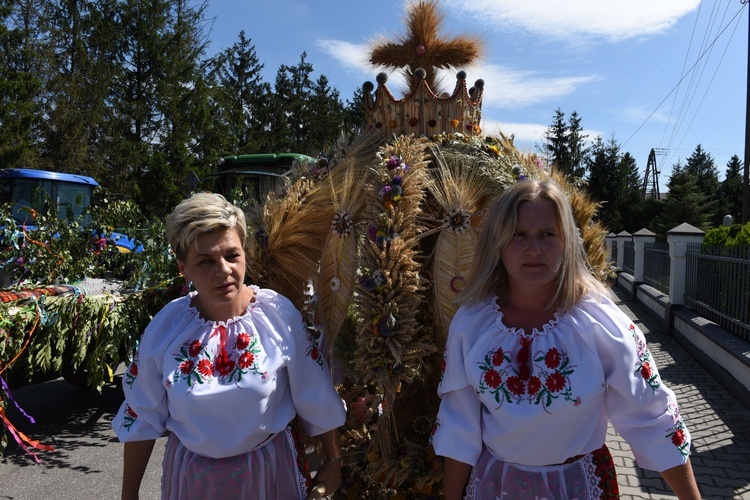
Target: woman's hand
[327, 480]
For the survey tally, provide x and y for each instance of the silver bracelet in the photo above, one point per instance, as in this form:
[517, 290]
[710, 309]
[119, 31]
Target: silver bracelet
[340, 458]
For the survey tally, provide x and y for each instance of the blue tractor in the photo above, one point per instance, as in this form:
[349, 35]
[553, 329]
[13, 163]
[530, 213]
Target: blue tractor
[33, 191]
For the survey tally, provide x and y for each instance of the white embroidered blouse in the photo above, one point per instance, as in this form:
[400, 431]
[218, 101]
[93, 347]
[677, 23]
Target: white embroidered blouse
[542, 397]
[222, 402]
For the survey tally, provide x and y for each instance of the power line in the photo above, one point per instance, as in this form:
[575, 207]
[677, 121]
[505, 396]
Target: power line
[683, 77]
[707, 89]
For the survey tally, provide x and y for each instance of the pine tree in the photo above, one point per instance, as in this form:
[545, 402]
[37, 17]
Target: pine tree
[155, 99]
[241, 97]
[635, 213]
[21, 83]
[82, 44]
[686, 202]
[326, 116]
[565, 145]
[603, 183]
[576, 147]
[354, 113]
[729, 193]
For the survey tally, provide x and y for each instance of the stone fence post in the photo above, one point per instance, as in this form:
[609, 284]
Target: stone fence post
[640, 238]
[622, 237]
[611, 240]
[678, 238]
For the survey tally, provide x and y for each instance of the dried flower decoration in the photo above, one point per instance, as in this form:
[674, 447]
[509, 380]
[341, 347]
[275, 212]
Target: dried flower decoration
[335, 284]
[518, 174]
[457, 220]
[395, 162]
[342, 224]
[458, 283]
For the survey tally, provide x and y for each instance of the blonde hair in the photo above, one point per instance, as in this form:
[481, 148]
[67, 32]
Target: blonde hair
[489, 276]
[199, 214]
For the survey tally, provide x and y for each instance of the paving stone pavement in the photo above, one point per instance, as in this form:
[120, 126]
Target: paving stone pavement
[718, 423]
[86, 463]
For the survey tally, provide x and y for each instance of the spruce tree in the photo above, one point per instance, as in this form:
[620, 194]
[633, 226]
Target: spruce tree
[565, 145]
[241, 97]
[22, 71]
[82, 45]
[729, 193]
[326, 116]
[685, 202]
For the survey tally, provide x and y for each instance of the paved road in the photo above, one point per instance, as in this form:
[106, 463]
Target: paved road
[720, 425]
[87, 458]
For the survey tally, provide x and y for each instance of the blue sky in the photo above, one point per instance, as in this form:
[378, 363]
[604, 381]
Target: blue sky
[667, 74]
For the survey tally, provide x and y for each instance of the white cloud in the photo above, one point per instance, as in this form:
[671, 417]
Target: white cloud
[505, 87]
[614, 20]
[640, 113]
[352, 56]
[527, 137]
[511, 88]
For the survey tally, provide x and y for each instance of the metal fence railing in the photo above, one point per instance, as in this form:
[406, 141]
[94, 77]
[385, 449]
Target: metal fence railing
[656, 266]
[718, 285]
[628, 257]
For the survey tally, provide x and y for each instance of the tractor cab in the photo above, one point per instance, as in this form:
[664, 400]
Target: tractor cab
[253, 175]
[34, 191]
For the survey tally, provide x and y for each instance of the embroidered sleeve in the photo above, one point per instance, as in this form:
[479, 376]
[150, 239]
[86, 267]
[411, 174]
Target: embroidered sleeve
[639, 404]
[318, 405]
[459, 415]
[143, 414]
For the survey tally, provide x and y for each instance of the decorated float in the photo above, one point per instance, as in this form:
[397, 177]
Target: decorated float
[373, 244]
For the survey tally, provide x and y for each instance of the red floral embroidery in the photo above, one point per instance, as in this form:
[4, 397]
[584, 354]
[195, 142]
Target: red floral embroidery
[492, 379]
[130, 417]
[643, 363]
[187, 366]
[534, 385]
[547, 379]
[246, 360]
[678, 438]
[132, 373]
[196, 365]
[224, 364]
[498, 357]
[552, 358]
[516, 386]
[205, 367]
[312, 349]
[555, 382]
[243, 340]
[195, 348]
[677, 433]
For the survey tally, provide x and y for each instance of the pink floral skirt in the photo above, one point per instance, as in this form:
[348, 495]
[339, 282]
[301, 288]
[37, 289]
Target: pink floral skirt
[590, 476]
[275, 470]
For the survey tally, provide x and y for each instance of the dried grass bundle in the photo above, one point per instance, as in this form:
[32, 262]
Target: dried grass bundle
[459, 188]
[391, 345]
[337, 275]
[425, 46]
[285, 253]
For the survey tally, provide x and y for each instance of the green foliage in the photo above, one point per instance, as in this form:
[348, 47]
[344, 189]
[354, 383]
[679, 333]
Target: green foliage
[735, 235]
[613, 181]
[729, 195]
[685, 203]
[565, 145]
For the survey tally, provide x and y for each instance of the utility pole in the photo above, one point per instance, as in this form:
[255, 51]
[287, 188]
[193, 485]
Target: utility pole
[745, 176]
